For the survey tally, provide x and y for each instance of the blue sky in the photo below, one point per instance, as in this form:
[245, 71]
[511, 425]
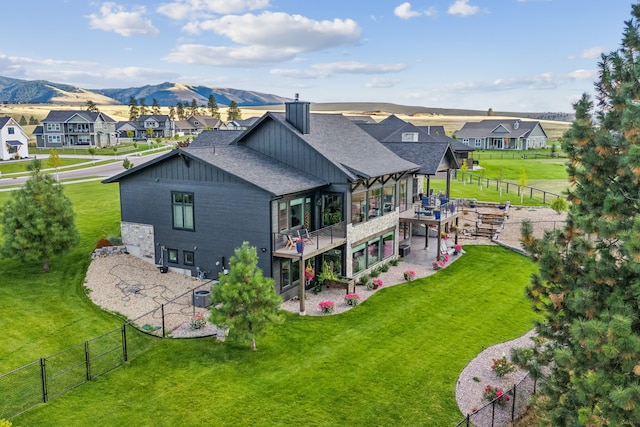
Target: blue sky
[515, 55]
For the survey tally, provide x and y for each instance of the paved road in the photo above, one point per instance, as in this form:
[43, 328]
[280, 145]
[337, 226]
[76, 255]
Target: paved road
[90, 172]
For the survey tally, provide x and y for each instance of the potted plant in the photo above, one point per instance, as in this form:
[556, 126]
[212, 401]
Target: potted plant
[409, 275]
[327, 275]
[299, 245]
[472, 203]
[352, 299]
[377, 283]
[327, 307]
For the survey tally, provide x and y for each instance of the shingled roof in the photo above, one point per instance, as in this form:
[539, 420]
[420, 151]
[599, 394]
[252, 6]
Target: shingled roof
[65, 115]
[208, 138]
[344, 144]
[508, 128]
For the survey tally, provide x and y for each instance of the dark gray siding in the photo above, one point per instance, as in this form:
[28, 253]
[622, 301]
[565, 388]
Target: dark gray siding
[276, 141]
[227, 212]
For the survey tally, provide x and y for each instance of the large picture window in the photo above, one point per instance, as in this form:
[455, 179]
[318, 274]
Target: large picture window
[183, 214]
[376, 202]
[294, 214]
[370, 253]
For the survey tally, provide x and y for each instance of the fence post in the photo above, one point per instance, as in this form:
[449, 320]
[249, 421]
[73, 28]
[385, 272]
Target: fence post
[125, 356]
[162, 310]
[493, 411]
[513, 404]
[43, 379]
[87, 360]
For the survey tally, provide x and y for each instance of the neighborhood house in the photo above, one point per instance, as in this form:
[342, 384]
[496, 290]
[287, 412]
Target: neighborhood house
[67, 128]
[513, 134]
[13, 140]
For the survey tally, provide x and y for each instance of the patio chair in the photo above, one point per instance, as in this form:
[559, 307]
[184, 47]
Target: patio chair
[290, 243]
[304, 234]
[444, 249]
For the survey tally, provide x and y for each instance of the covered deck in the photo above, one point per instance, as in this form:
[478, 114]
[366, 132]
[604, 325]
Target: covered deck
[315, 242]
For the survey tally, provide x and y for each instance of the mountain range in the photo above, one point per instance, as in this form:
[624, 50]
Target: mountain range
[16, 91]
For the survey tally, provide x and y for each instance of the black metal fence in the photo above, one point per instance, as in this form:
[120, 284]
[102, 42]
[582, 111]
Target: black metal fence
[517, 154]
[47, 378]
[505, 409]
[507, 187]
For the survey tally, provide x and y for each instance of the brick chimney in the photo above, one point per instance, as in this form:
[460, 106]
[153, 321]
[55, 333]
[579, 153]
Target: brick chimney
[298, 114]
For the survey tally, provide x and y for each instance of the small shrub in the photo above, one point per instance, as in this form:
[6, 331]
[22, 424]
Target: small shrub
[476, 379]
[384, 268]
[364, 280]
[375, 272]
[102, 243]
[317, 287]
[394, 262]
[5, 423]
[559, 205]
[115, 240]
[492, 393]
[502, 366]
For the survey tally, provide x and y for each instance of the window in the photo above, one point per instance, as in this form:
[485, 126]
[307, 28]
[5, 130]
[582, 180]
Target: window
[289, 273]
[189, 258]
[373, 252]
[359, 258]
[358, 205]
[388, 194]
[172, 256]
[11, 130]
[53, 126]
[478, 142]
[297, 213]
[56, 139]
[374, 203]
[183, 211]
[403, 195]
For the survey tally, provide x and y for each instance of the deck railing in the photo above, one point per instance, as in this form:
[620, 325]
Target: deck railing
[324, 236]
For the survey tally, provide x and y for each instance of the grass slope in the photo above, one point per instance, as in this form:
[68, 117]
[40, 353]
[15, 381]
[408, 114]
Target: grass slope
[42, 313]
[394, 360]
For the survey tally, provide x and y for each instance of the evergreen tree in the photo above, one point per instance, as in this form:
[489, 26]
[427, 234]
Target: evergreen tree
[180, 111]
[588, 286]
[144, 109]
[155, 107]
[33, 121]
[245, 300]
[213, 107]
[194, 108]
[91, 106]
[38, 221]
[172, 113]
[134, 111]
[22, 121]
[233, 113]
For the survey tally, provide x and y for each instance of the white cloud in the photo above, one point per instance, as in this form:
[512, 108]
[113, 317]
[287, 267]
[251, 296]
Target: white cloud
[113, 17]
[584, 75]
[591, 53]
[229, 56]
[285, 31]
[192, 9]
[404, 11]
[378, 83]
[321, 71]
[462, 7]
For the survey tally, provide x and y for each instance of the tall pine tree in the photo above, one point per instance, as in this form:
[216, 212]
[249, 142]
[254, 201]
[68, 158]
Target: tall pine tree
[38, 222]
[213, 107]
[588, 286]
[233, 112]
[245, 300]
[134, 111]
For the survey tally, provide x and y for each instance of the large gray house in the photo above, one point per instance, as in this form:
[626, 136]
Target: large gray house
[65, 128]
[289, 173]
[507, 134]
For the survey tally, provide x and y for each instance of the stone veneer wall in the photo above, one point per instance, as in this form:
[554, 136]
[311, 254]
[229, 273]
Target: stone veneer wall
[138, 238]
[359, 232]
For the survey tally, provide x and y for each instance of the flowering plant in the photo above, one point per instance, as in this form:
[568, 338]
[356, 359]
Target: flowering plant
[445, 258]
[309, 273]
[197, 321]
[377, 283]
[502, 366]
[352, 299]
[492, 393]
[437, 265]
[457, 248]
[409, 275]
[327, 307]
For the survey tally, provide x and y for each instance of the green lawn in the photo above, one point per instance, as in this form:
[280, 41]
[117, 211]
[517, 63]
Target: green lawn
[21, 167]
[394, 360]
[42, 313]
